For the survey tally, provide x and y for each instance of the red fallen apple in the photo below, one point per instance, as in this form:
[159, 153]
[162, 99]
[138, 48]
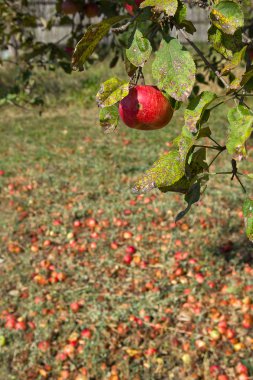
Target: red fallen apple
[145, 108]
[130, 249]
[20, 325]
[44, 345]
[74, 306]
[91, 10]
[69, 7]
[86, 333]
[241, 369]
[130, 8]
[10, 322]
[128, 258]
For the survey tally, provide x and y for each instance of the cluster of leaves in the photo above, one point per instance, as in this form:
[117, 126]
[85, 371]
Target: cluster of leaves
[24, 52]
[184, 169]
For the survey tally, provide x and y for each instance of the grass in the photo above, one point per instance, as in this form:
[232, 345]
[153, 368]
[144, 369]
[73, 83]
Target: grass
[67, 218]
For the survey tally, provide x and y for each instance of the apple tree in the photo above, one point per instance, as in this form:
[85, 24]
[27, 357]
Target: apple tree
[161, 27]
[24, 53]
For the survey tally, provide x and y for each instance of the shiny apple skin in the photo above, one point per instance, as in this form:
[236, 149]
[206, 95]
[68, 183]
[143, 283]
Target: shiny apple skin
[145, 108]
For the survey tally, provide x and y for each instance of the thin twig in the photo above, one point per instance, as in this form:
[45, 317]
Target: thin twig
[215, 158]
[243, 187]
[208, 147]
[195, 47]
[208, 64]
[124, 27]
[216, 142]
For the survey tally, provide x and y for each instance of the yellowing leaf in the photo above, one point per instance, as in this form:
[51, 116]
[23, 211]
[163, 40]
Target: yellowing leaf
[240, 128]
[227, 16]
[111, 92]
[167, 6]
[90, 40]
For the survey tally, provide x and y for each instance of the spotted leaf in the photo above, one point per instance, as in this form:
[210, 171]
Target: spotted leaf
[111, 92]
[225, 44]
[174, 69]
[167, 170]
[240, 127]
[140, 49]
[91, 39]
[167, 6]
[109, 118]
[196, 108]
[227, 16]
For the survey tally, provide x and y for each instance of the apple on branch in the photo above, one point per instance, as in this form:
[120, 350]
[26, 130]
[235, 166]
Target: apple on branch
[145, 108]
[70, 7]
[130, 8]
[91, 10]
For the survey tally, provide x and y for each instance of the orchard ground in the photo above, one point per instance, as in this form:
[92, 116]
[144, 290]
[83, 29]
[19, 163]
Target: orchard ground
[98, 283]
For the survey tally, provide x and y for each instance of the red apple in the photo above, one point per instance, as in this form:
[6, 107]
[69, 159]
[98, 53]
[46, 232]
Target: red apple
[10, 322]
[214, 369]
[44, 345]
[130, 249]
[69, 7]
[91, 10]
[20, 325]
[128, 258]
[74, 306]
[241, 369]
[130, 8]
[150, 351]
[86, 333]
[145, 108]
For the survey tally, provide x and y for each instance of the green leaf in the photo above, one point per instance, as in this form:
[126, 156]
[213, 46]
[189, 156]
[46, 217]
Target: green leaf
[247, 76]
[140, 49]
[90, 40]
[174, 69]
[204, 132]
[167, 6]
[130, 68]
[196, 108]
[180, 19]
[188, 26]
[167, 170]
[109, 118]
[197, 173]
[248, 217]
[240, 128]
[225, 44]
[234, 85]
[227, 16]
[111, 92]
[235, 61]
[180, 13]
[191, 197]
[196, 166]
